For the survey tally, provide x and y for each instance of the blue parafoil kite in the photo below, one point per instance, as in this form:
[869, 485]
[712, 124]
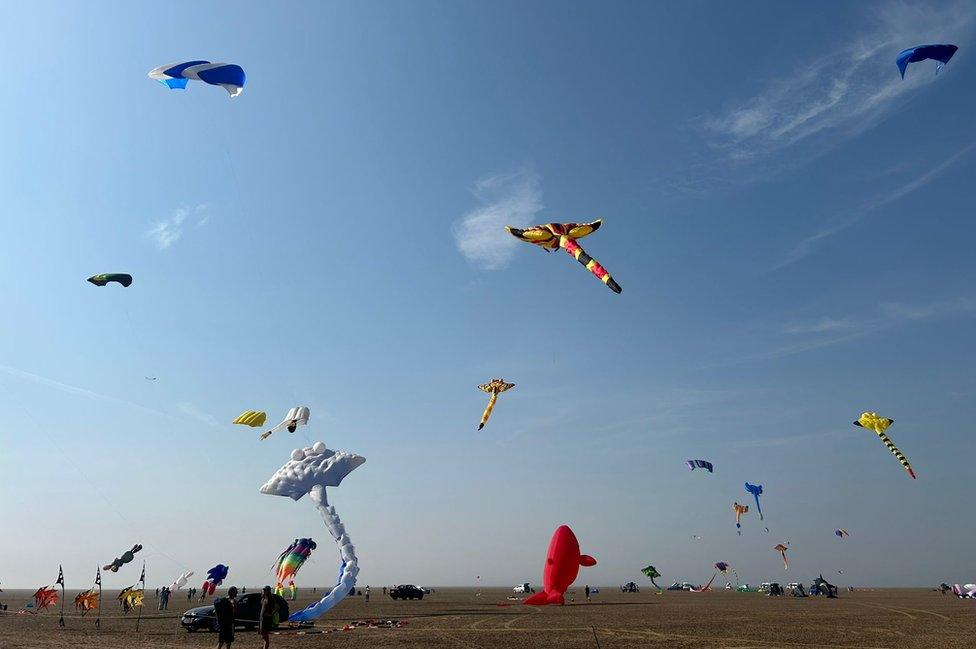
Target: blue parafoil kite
[701, 464]
[756, 491]
[940, 53]
[176, 75]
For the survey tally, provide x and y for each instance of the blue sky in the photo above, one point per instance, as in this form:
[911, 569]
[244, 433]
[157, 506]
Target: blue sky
[790, 222]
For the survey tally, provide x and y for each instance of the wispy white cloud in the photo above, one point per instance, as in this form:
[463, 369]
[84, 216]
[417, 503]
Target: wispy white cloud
[807, 245]
[823, 325]
[168, 231]
[193, 412]
[840, 92]
[828, 331]
[913, 313]
[785, 440]
[505, 199]
[75, 390]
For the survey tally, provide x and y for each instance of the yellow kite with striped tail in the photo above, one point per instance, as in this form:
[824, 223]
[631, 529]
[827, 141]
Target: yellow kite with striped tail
[564, 235]
[872, 421]
[494, 388]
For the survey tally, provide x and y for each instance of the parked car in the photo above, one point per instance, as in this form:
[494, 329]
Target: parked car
[202, 618]
[630, 587]
[523, 589]
[406, 591]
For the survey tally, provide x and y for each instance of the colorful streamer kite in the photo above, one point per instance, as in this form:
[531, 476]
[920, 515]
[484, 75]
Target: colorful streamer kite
[289, 562]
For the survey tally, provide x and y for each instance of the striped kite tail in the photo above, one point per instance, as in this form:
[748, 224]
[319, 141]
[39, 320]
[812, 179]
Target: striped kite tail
[592, 265]
[491, 406]
[898, 454]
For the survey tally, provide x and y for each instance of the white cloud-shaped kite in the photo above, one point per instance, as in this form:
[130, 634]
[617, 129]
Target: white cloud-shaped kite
[309, 467]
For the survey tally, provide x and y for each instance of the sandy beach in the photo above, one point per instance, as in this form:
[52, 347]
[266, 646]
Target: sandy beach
[459, 617]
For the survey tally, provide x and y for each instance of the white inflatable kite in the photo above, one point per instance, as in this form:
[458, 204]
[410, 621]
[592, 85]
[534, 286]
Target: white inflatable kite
[297, 416]
[310, 471]
[181, 580]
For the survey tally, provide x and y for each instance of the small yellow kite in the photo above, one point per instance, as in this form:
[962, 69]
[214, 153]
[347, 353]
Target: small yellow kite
[494, 388]
[252, 418]
[872, 421]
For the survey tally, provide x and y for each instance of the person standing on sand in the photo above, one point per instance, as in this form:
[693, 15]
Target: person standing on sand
[587, 591]
[367, 593]
[225, 609]
[269, 610]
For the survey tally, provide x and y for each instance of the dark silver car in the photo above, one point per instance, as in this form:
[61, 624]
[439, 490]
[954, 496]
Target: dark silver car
[248, 616]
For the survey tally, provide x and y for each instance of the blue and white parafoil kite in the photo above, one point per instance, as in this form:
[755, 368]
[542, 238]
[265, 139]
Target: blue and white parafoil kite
[176, 75]
[701, 464]
[940, 53]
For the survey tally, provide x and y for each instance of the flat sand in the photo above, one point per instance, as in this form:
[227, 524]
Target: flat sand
[460, 618]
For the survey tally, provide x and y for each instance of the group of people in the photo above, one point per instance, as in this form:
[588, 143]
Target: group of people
[162, 595]
[225, 610]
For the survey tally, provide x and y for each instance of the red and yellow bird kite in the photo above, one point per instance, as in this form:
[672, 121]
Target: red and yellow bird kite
[564, 235]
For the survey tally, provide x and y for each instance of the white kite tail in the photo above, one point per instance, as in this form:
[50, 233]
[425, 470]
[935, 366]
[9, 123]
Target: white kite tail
[350, 564]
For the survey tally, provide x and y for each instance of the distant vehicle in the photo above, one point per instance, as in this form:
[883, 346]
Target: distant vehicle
[630, 587]
[248, 616]
[794, 584]
[406, 591]
[683, 585]
[522, 589]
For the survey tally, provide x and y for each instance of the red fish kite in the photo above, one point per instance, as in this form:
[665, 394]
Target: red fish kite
[563, 562]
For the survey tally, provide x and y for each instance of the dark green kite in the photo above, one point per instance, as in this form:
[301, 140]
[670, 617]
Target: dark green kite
[103, 279]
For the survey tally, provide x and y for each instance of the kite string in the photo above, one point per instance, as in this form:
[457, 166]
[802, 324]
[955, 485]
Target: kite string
[37, 427]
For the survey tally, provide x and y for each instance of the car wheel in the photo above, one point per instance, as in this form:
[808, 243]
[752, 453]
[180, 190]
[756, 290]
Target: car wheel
[420, 596]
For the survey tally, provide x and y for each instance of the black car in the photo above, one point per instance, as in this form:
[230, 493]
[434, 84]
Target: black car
[406, 591]
[248, 616]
